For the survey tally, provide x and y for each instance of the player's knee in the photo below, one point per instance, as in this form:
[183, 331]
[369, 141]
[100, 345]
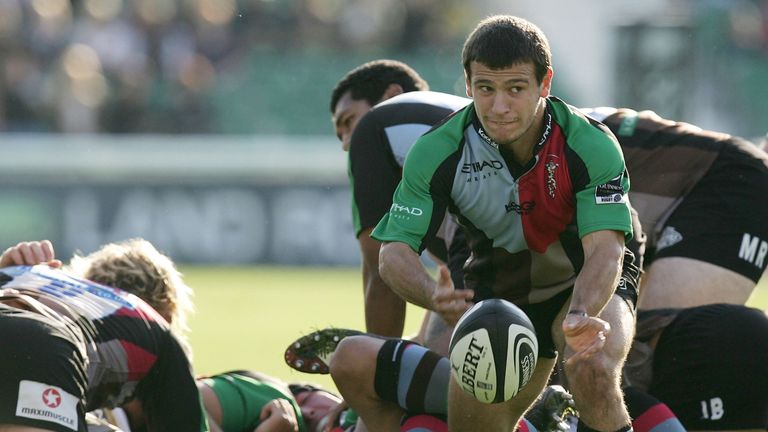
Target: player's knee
[351, 358]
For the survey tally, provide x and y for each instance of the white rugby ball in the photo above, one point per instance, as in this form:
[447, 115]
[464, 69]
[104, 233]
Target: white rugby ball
[493, 351]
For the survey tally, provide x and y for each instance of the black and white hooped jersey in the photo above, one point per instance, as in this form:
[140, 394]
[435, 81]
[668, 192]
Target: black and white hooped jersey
[379, 144]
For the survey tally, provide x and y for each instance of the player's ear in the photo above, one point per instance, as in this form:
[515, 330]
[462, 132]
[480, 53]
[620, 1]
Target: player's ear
[546, 83]
[468, 85]
[392, 91]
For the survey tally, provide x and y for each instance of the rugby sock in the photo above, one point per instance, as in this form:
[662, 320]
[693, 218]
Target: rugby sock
[428, 423]
[584, 428]
[413, 377]
[424, 423]
[649, 414]
[525, 426]
[399, 365]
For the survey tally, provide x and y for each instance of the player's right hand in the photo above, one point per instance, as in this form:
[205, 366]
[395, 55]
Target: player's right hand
[584, 336]
[449, 302]
[30, 253]
[278, 416]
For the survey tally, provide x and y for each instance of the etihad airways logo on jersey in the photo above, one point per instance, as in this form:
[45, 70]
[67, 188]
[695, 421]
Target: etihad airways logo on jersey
[481, 170]
[478, 167]
[405, 210]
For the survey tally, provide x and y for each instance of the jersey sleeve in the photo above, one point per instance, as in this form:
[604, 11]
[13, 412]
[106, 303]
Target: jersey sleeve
[601, 183]
[168, 394]
[373, 174]
[603, 204]
[421, 199]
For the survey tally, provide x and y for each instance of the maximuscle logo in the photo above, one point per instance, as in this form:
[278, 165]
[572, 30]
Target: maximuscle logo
[41, 401]
[51, 398]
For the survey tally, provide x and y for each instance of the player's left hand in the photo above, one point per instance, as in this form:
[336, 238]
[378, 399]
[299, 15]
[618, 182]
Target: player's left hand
[278, 416]
[449, 302]
[584, 336]
[30, 253]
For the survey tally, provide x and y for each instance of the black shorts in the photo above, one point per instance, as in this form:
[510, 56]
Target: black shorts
[711, 368]
[543, 314]
[43, 375]
[722, 220]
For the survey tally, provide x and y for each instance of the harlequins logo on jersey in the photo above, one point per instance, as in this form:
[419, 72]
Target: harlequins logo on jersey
[551, 166]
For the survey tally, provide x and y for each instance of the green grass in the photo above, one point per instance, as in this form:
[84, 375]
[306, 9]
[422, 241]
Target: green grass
[246, 316]
[759, 297]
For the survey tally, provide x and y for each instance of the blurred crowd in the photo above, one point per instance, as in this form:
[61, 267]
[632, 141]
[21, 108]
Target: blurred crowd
[156, 66]
[267, 66]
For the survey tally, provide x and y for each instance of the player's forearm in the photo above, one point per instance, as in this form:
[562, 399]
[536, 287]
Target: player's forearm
[594, 287]
[598, 278]
[384, 308]
[401, 270]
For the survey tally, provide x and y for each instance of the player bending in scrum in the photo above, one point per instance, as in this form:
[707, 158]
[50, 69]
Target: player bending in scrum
[84, 346]
[233, 401]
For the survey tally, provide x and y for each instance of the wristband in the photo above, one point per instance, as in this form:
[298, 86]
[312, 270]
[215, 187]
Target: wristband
[578, 312]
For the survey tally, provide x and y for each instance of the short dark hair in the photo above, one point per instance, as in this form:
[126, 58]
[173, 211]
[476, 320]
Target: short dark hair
[500, 41]
[370, 80]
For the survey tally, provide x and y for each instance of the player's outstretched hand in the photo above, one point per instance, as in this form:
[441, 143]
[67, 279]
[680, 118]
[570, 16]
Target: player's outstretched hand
[278, 416]
[584, 335]
[30, 253]
[449, 302]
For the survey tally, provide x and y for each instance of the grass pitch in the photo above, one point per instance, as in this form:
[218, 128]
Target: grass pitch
[247, 316]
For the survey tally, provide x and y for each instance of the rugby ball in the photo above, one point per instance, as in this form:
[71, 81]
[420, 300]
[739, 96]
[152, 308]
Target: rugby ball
[493, 351]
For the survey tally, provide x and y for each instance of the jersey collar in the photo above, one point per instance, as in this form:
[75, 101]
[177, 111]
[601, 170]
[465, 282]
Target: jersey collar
[546, 132]
[480, 131]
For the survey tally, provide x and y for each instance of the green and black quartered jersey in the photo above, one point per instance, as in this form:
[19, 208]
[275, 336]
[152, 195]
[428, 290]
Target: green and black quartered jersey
[523, 224]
